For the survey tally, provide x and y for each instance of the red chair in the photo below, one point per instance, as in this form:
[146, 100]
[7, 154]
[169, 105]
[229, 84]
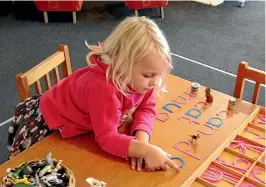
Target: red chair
[59, 6]
[137, 5]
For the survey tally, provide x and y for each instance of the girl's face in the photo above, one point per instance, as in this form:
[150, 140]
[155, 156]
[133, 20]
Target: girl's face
[146, 73]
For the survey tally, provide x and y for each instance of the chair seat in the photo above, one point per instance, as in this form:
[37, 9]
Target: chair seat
[137, 5]
[59, 6]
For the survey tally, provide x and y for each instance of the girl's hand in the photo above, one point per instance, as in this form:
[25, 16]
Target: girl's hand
[157, 159]
[137, 163]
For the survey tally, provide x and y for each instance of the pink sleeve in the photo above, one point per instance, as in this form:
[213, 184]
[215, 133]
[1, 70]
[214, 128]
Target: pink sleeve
[143, 117]
[105, 113]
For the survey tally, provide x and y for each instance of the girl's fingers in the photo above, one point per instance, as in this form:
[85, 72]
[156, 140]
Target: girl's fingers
[133, 163]
[168, 155]
[172, 164]
[146, 167]
[163, 167]
[139, 164]
[151, 169]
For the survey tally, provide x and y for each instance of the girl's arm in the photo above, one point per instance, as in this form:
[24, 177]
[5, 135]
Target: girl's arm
[104, 109]
[143, 117]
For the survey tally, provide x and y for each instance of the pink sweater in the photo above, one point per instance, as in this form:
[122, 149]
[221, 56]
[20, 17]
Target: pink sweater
[85, 102]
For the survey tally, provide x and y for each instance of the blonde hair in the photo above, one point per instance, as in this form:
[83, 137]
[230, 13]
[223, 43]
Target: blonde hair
[129, 42]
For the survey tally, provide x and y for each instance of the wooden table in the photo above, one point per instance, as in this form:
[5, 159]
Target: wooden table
[86, 159]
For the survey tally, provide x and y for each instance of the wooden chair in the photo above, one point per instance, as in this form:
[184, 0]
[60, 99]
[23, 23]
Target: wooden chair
[34, 75]
[246, 72]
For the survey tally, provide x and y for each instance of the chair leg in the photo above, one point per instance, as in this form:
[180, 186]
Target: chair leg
[242, 3]
[74, 15]
[162, 12]
[45, 15]
[136, 13]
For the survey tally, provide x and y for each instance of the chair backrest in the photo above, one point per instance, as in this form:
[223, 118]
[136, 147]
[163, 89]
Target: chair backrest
[42, 70]
[246, 72]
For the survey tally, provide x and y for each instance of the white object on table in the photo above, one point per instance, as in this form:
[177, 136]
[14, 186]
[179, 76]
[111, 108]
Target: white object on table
[95, 183]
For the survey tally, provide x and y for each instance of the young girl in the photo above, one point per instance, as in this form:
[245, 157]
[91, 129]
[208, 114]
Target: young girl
[123, 75]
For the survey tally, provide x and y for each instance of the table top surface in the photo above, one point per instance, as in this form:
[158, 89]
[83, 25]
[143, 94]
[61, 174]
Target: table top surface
[86, 159]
